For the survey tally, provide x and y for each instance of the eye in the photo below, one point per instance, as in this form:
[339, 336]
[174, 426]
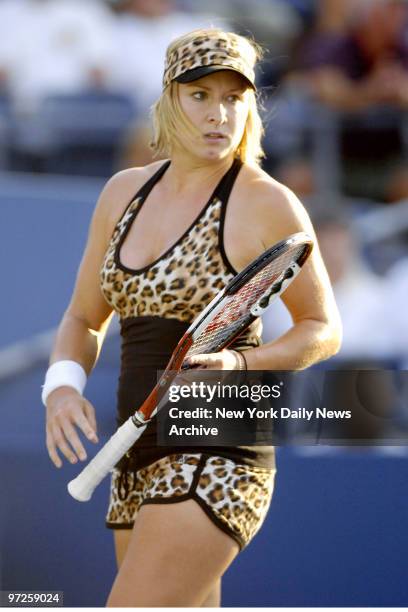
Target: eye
[234, 98]
[199, 95]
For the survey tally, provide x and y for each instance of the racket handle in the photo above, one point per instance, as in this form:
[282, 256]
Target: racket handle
[82, 487]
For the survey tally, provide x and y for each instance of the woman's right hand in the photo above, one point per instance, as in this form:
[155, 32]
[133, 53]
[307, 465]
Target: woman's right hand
[65, 410]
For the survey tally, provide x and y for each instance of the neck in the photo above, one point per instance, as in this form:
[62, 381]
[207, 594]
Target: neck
[189, 175]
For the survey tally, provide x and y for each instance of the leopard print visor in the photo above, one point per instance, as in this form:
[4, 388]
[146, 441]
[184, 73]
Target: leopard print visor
[205, 55]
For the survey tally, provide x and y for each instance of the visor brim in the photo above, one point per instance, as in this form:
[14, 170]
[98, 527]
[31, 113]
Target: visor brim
[202, 71]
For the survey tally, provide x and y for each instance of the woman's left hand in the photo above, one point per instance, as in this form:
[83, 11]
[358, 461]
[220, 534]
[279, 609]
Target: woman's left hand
[224, 360]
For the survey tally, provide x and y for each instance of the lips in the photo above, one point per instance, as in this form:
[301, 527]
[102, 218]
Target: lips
[215, 136]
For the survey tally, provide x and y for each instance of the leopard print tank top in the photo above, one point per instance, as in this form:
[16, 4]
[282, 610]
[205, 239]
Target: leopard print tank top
[157, 303]
[185, 278]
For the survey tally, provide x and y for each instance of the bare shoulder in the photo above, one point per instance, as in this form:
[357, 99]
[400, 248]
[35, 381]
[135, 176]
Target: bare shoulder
[275, 209]
[120, 190]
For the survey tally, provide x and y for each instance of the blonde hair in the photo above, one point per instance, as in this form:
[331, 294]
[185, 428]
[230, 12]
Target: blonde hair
[170, 122]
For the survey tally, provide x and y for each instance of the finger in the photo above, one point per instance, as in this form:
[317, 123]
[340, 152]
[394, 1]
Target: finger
[205, 359]
[72, 437]
[52, 451]
[89, 412]
[85, 425]
[210, 362]
[61, 443]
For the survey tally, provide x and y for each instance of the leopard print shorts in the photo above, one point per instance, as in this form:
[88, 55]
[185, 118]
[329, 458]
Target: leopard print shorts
[235, 497]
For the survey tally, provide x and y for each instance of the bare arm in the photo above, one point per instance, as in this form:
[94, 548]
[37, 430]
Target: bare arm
[332, 87]
[316, 331]
[84, 324]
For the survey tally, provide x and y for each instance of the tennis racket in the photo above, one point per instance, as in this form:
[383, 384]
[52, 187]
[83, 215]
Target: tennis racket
[244, 299]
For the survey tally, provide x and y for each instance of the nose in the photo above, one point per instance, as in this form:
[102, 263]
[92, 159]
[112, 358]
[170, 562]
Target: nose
[217, 114]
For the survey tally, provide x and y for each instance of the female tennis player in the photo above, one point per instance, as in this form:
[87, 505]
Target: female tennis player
[163, 241]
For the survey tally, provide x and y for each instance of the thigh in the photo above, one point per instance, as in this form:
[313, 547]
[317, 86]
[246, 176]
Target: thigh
[175, 556]
[122, 539]
[213, 600]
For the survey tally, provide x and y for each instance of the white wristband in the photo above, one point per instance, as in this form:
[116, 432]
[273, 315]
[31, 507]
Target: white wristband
[64, 373]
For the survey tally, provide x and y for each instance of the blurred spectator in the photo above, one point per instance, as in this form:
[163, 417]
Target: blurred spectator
[372, 324]
[397, 291]
[135, 150]
[368, 64]
[306, 9]
[334, 15]
[143, 29]
[362, 74]
[271, 22]
[274, 24]
[51, 47]
[9, 12]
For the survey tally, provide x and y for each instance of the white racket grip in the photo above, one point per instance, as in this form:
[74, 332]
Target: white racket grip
[82, 487]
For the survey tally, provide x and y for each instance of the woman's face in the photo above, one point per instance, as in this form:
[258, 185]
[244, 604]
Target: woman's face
[217, 105]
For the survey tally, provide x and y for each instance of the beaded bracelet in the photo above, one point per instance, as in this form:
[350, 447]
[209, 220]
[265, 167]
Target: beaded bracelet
[241, 361]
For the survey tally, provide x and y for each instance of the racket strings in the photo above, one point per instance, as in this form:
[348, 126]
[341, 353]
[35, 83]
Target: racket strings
[236, 309]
